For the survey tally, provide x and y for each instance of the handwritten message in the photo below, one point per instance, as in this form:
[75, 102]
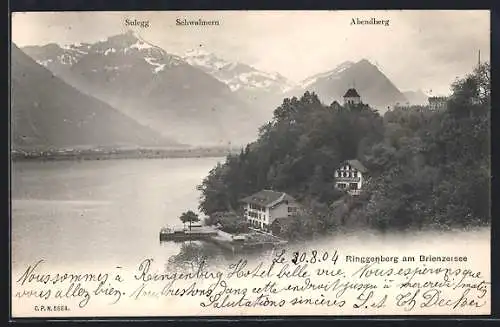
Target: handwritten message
[312, 282]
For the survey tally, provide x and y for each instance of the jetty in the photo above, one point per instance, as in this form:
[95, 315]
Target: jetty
[193, 233]
[252, 240]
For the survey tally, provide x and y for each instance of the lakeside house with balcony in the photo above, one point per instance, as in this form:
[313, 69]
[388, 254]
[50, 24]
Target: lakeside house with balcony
[263, 207]
[350, 176]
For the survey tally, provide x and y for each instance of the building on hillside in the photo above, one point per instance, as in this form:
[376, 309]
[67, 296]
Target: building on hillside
[335, 105]
[262, 208]
[351, 97]
[350, 176]
[437, 103]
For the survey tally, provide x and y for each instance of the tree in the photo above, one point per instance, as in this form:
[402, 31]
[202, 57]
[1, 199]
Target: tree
[190, 217]
[433, 168]
[297, 152]
[230, 222]
[425, 167]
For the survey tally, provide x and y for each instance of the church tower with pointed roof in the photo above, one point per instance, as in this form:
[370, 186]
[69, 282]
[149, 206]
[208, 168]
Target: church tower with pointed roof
[351, 97]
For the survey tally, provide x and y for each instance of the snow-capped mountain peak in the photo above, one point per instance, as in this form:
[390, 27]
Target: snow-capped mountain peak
[197, 53]
[141, 45]
[51, 55]
[332, 74]
[205, 60]
[237, 76]
[57, 57]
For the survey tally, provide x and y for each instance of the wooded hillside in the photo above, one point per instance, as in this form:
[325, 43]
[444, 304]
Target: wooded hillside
[428, 169]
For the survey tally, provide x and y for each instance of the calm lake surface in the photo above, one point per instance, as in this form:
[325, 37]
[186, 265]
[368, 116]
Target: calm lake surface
[100, 212]
[109, 213]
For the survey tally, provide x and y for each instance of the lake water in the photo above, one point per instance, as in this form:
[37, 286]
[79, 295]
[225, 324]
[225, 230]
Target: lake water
[100, 212]
[97, 215]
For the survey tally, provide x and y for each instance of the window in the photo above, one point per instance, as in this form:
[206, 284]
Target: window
[353, 186]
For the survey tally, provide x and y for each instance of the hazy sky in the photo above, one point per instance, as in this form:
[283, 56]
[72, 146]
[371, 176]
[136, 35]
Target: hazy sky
[418, 50]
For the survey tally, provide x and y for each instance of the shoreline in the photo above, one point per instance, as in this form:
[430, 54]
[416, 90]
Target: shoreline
[104, 158]
[120, 154]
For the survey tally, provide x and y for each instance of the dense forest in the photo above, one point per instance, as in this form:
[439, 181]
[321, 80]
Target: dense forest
[427, 169]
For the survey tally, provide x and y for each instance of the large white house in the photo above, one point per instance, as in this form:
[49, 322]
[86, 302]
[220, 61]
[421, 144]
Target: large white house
[263, 207]
[350, 176]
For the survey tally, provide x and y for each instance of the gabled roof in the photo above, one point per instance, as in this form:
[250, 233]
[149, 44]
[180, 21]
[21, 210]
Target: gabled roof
[356, 164]
[351, 93]
[267, 198]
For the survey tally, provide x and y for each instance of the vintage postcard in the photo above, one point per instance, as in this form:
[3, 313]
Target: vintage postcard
[243, 163]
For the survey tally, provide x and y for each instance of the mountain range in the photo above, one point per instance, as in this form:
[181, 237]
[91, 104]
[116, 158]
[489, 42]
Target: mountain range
[47, 112]
[372, 84]
[238, 76]
[262, 91]
[199, 98]
[255, 85]
[155, 88]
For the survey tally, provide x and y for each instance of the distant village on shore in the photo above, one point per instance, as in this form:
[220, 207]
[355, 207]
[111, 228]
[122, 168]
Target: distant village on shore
[106, 153]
